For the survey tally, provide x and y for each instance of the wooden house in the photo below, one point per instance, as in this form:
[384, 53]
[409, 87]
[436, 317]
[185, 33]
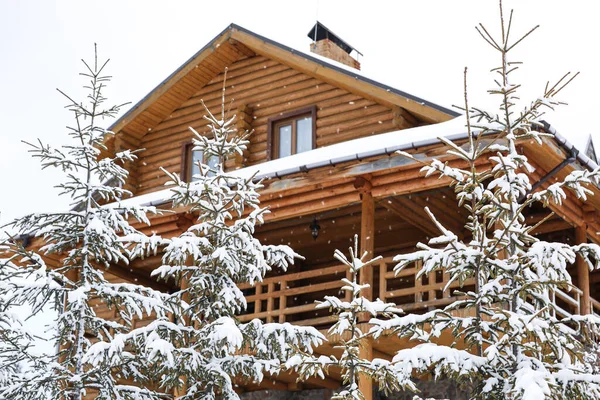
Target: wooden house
[324, 142]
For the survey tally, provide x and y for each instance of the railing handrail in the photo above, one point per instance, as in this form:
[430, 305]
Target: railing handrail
[296, 276]
[565, 296]
[278, 291]
[573, 289]
[595, 306]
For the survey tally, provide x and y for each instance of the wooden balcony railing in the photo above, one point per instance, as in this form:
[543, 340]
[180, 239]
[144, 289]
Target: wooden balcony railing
[566, 303]
[410, 293]
[595, 307]
[291, 297]
[275, 299]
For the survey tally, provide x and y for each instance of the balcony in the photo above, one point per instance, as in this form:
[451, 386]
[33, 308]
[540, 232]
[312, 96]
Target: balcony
[285, 297]
[398, 224]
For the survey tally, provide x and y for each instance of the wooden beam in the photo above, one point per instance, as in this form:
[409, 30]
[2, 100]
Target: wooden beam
[339, 79]
[403, 119]
[554, 224]
[310, 207]
[132, 275]
[365, 384]
[367, 240]
[583, 272]
[367, 244]
[417, 218]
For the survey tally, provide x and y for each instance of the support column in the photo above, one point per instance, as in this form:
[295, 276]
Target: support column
[583, 272]
[73, 276]
[367, 244]
[365, 384]
[367, 232]
[184, 284]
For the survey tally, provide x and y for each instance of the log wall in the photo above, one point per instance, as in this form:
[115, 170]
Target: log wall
[264, 88]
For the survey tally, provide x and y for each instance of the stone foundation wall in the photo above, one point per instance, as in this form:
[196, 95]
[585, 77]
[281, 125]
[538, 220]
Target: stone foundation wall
[317, 394]
[438, 390]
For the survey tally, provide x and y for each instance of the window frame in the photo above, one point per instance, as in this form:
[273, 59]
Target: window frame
[292, 116]
[187, 150]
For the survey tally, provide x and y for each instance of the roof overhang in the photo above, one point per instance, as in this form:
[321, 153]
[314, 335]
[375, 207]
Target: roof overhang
[236, 42]
[556, 149]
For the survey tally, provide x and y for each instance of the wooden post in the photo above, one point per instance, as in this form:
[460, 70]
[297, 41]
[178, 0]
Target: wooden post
[185, 283]
[270, 301]
[367, 239]
[73, 276]
[367, 244]
[365, 385]
[258, 302]
[282, 301]
[583, 272]
[382, 281]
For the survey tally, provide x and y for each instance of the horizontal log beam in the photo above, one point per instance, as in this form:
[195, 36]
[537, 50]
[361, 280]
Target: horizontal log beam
[133, 275]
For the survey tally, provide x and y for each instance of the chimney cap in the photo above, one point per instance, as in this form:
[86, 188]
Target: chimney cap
[320, 32]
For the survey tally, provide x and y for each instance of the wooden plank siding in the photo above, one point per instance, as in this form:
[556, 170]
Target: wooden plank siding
[267, 88]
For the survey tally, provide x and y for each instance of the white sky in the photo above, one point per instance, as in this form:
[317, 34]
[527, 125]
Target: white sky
[420, 47]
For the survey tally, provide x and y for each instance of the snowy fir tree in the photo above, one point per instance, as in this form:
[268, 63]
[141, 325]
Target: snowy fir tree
[202, 351]
[351, 315]
[15, 341]
[86, 239]
[513, 345]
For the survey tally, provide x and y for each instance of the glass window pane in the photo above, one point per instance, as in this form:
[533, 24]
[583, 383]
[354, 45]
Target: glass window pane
[304, 132]
[194, 168]
[285, 140]
[212, 162]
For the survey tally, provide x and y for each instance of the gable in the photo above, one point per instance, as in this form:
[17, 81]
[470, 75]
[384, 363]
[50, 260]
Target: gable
[590, 150]
[258, 89]
[266, 79]
[235, 42]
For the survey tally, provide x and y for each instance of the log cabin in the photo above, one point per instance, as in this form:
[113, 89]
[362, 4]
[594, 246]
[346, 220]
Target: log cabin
[324, 142]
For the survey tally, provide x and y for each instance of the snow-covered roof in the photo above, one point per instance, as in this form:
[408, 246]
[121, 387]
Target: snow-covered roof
[356, 150]
[590, 149]
[570, 147]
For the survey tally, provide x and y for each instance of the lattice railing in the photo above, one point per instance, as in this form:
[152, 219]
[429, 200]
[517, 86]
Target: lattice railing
[410, 292]
[283, 298]
[595, 307]
[566, 303]
[275, 299]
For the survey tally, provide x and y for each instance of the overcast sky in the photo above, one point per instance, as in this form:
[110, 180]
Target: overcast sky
[420, 47]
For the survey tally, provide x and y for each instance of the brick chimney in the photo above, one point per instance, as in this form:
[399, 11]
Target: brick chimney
[327, 44]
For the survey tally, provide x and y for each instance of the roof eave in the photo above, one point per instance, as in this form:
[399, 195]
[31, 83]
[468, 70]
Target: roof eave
[141, 105]
[358, 77]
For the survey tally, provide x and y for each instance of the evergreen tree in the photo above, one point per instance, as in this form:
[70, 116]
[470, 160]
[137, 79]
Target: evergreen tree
[15, 341]
[203, 351]
[350, 316]
[86, 239]
[517, 346]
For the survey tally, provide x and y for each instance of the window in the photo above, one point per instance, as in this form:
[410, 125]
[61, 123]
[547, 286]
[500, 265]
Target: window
[292, 133]
[190, 160]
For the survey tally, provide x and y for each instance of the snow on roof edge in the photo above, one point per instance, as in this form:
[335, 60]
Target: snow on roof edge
[357, 149]
[581, 156]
